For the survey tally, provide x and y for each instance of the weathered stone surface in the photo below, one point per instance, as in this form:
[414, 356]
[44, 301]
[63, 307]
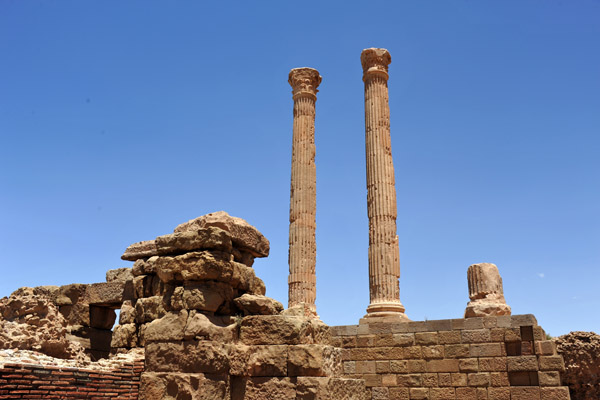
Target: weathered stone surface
[485, 291]
[30, 321]
[172, 386]
[243, 235]
[326, 388]
[314, 360]
[209, 238]
[384, 257]
[259, 388]
[208, 265]
[77, 314]
[140, 250]
[68, 295]
[168, 328]
[119, 275]
[149, 309]
[108, 293]
[202, 327]
[207, 295]
[188, 356]
[144, 266]
[124, 336]
[257, 305]
[303, 193]
[278, 329]
[127, 314]
[270, 360]
[581, 352]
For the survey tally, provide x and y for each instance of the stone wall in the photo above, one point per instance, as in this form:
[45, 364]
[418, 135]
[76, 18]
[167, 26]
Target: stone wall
[495, 358]
[31, 381]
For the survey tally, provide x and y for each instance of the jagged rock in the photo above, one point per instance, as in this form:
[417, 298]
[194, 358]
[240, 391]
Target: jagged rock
[208, 266]
[124, 336]
[209, 238]
[244, 236]
[29, 320]
[149, 309]
[189, 356]
[202, 327]
[68, 295]
[278, 329]
[140, 250]
[314, 360]
[581, 352]
[168, 328]
[206, 296]
[127, 314]
[263, 388]
[271, 360]
[257, 305]
[171, 386]
[144, 266]
[119, 275]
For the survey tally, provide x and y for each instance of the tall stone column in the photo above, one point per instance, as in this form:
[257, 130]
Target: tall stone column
[384, 257]
[303, 194]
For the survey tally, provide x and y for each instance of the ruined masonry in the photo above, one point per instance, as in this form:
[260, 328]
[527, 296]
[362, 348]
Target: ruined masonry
[195, 323]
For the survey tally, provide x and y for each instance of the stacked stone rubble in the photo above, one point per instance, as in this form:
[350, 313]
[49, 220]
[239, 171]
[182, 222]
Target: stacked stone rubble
[208, 330]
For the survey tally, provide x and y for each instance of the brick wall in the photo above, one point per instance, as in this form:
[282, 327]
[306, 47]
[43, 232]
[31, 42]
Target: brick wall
[491, 358]
[29, 381]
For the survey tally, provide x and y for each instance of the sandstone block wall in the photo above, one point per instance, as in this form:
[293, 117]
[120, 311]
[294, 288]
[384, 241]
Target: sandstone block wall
[31, 381]
[492, 358]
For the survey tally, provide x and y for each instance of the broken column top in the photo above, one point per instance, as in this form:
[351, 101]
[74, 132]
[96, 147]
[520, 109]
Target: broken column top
[485, 292]
[375, 61]
[304, 82]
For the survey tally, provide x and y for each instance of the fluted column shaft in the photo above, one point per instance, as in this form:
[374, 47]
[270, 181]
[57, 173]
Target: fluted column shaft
[384, 258]
[303, 192]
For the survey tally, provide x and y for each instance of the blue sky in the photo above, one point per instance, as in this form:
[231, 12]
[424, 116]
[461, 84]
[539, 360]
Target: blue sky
[120, 120]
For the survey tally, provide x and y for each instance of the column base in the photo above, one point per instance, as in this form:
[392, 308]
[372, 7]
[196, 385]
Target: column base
[388, 311]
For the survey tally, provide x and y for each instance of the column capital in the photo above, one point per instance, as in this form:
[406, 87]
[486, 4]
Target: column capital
[304, 82]
[375, 62]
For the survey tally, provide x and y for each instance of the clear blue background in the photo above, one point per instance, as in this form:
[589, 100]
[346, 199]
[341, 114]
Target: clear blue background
[120, 120]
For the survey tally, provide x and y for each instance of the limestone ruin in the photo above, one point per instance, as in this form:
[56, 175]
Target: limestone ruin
[195, 323]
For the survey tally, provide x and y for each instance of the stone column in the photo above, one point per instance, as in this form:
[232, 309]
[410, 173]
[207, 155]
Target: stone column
[485, 292]
[384, 257]
[303, 194]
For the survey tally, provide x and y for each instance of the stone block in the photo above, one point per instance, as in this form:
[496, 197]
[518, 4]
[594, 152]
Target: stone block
[210, 238]
[383, 367]
[366, 367]
[525, 393]
[441, 394]
[345, 330]
[551, 363]
[269, 360]
[419, 393]
[417, 366]
[475, 336]
[127, 313]
[426, 338]
[499, 379]
[459, 379]
[148, 309]
[523, 320]
[262, 388]
[119, 275]
[545, 348]
[410, 380]
[188, 356]
[314, 360]
[448, 365]
[456, 350]
[449, 337]
[194, 386]
[549, 378]
[202, 327]
[554, 393]
[499, 393]
[108, 293]
[321, 388]
[124, 336]
[432, 352]
[522, 363]
[468, 365]
[466, 393]
[380, 393]
[206, 296]
[278, 329]
[445, 379]
[140, 250]
[399, 366]
[257, 305]
[168, 328]
[397, 393]
[478, 379]
[429, 380]
[486, 350]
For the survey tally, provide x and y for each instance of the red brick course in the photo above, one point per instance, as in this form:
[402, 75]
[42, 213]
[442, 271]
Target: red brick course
[27, 381]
